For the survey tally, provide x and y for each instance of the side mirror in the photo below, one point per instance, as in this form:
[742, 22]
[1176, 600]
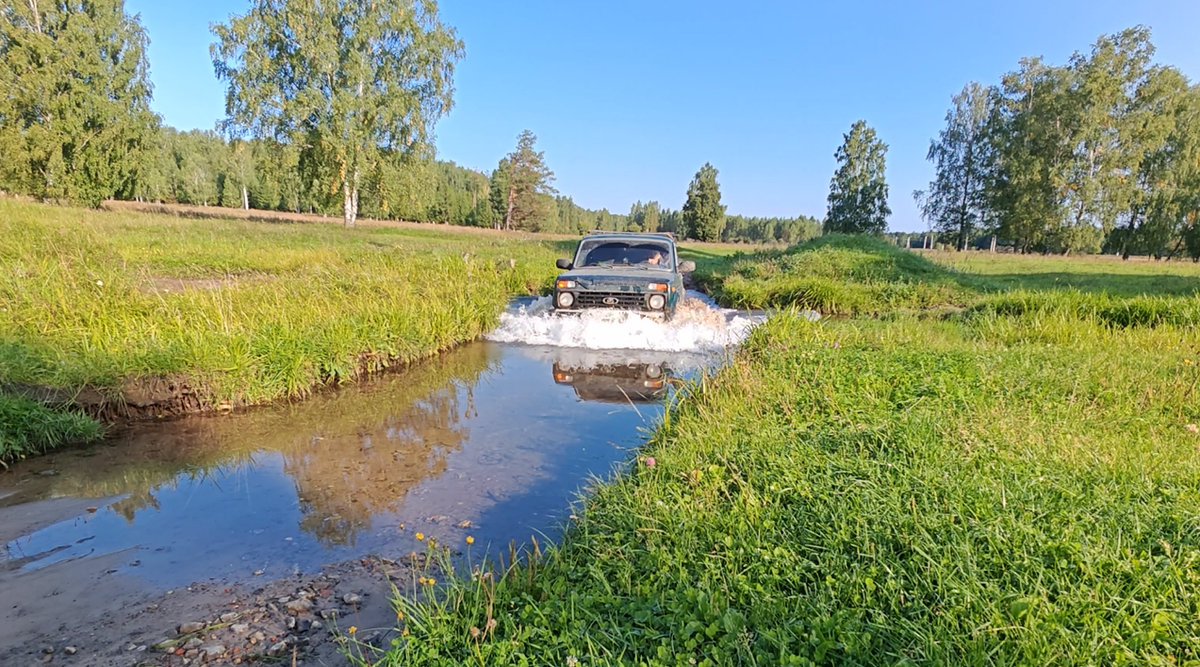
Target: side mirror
[687, 266]
[564, 264]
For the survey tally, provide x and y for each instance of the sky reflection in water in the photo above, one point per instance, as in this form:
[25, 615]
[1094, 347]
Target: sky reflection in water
[495, 435]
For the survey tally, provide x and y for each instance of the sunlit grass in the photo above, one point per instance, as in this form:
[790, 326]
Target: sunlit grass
[909, 491]
[240, 311]
[248, 311]
[28, 428]
[835, 275]
[1014, 480]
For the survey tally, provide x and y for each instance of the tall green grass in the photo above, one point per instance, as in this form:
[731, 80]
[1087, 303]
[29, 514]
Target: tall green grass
[242, 311]
[1074, 305]
[835, 275]
[28, 428]
[910, 491]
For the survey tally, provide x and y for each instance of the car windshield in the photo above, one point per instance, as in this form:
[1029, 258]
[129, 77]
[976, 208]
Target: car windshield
[607, 252]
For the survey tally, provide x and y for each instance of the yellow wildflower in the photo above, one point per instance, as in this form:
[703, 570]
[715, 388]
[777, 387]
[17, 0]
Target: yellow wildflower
[470, 540]
[420, 536]
[353, 629]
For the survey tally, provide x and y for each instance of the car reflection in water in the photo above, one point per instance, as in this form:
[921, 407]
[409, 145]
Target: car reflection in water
[638, 382]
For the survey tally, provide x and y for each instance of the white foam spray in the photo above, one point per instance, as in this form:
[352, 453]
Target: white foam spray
[698, 326]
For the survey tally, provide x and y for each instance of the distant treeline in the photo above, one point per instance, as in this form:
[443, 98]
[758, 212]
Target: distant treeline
[202, 168]
[1100, 154]
[76, 126]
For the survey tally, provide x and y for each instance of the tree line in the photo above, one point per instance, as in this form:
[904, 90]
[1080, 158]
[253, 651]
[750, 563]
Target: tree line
[334, 118]
[1101, 154]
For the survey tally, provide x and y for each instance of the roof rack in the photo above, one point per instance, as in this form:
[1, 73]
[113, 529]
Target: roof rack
[590, 232]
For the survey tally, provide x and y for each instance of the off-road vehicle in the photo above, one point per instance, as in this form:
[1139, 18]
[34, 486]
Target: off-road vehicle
[622, 271]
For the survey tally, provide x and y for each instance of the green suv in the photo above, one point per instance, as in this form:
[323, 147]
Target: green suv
[622, 271]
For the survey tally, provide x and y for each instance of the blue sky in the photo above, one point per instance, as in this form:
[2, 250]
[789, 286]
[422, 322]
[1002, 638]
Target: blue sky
[629, 99]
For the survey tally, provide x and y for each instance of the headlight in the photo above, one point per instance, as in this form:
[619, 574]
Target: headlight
[566, 284]
[653, 371]
[657, 287]
[566, 299]
[657, 301]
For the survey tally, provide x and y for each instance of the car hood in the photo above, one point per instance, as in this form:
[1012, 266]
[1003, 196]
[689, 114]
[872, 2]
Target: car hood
[595, 276]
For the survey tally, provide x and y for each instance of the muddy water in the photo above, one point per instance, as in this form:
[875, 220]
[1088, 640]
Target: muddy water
[491, 440]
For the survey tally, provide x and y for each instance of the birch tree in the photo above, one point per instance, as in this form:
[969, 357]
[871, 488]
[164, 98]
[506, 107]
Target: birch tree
[348, 81]
[956, 202]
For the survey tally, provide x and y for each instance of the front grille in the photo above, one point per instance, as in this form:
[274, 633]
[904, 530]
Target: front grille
[624, 300]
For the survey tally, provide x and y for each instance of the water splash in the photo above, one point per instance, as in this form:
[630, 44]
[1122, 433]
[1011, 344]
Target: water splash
[699, 326]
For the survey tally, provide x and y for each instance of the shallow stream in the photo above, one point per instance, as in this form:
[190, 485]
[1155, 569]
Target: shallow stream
[493, 440]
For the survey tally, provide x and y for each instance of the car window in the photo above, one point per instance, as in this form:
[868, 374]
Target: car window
[624, 253]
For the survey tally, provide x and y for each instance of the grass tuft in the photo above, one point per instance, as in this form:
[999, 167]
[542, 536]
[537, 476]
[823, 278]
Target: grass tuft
[28, 428]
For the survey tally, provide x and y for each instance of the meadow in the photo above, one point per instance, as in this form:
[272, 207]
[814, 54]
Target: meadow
[234, 311]
[978, 473]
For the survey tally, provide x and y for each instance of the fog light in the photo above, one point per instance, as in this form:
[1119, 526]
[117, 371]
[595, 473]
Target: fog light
[657, 302]
[566, 299]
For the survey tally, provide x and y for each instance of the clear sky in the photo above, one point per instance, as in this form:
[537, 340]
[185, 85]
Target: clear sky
[629, 99]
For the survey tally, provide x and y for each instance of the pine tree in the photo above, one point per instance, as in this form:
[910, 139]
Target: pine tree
[354, 83]
[703, 214]
[529, 202]
[498, 192]
[956, 202]
[858, 191]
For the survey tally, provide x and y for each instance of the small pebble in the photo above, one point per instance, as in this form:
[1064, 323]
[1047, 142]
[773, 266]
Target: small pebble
[70, 650]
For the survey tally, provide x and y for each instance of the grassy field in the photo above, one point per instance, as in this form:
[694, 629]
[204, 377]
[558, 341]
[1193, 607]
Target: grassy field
[1105, 274]
[993, 485]
[241, 311]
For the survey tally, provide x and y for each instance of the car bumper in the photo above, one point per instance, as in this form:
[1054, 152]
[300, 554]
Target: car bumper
[652, 314]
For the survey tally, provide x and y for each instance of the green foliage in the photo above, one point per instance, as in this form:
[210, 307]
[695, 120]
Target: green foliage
[858, 191]
[75, 119]
[911, 491]
[956, 202]
[1097, 308]
[347, 81]
[28, 428]
[741, 229]
[834, 275]
[703, 213]
[528, 202]
[1100, 152]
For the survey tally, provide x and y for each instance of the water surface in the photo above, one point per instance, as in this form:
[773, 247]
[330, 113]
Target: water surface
[491, 440]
